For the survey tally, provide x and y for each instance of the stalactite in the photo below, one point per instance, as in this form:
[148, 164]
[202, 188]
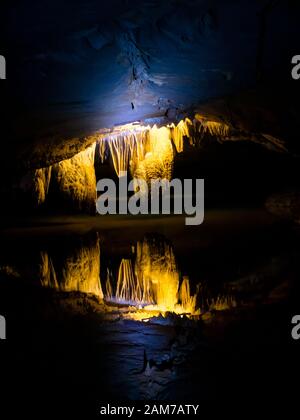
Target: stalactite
[179, 132]
[216, 129]
[103, 149]
[76, 180]
[126, 149]
[147, 153]
[223, 132]
[158, 162]
[41, 182]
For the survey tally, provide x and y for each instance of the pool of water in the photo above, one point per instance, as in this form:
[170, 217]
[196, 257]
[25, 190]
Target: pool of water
[74, 289]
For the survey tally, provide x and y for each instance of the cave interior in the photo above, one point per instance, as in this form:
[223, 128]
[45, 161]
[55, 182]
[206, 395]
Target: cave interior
[143, 307]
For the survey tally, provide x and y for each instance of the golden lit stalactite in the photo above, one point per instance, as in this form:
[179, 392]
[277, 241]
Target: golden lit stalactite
[217, 129]
[146, 152]
[125, 149]
[76, 179]
[214, 128]
[223, 132]
[41, 182]
[102, 149]
[179, 132]
[158, 161]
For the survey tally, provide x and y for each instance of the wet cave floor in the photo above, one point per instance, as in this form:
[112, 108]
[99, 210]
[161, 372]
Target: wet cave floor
[69, 350]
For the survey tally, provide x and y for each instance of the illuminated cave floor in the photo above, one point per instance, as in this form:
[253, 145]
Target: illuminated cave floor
[67, 350]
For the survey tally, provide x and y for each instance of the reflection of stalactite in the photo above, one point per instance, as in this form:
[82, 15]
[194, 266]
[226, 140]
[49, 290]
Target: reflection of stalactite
[76, 180]
[47, 272]
[187, 301]
[108, 287]
[222, 303]
[80, 270]
[156, 269]
[128, 288]
[41, 182]
[155, 279]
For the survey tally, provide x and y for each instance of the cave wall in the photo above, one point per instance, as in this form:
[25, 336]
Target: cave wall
[145, 152]
[74, 69]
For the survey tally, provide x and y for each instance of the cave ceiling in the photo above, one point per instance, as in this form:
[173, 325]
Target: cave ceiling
[76, 69]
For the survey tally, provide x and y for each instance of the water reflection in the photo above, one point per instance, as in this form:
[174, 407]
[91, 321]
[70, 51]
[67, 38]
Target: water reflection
[147, 278]
[153, 282]
[78, 271]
